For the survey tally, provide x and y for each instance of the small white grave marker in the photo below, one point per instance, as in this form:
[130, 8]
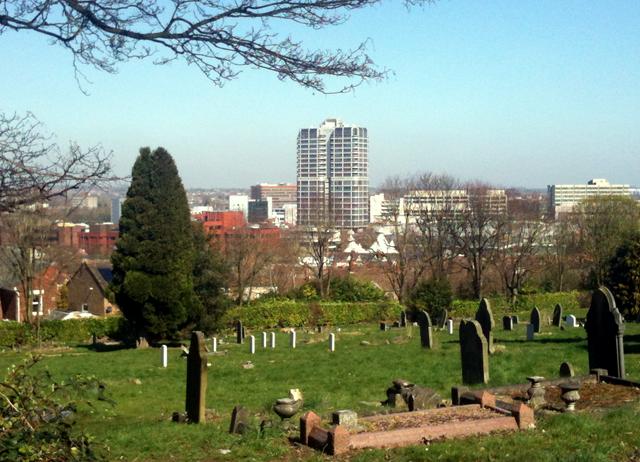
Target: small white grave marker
[252, 344]
[214, 344]
[293, 339]
[273, 339]
[450, 326]
[530, 331]
[332, 342]
[165, 355]
[264, 340]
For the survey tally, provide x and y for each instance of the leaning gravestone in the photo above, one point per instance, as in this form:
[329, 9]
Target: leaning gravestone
[485, 317]
[605, 331]
[474, 352]
[557, 315]
[534, 320]
[196, 378]
[507, 323]
[426, 336]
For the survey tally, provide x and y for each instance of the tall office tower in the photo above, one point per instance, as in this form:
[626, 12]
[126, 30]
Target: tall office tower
[332, 175]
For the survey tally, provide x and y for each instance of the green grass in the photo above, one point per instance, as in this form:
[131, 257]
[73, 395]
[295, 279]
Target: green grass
[138, 428]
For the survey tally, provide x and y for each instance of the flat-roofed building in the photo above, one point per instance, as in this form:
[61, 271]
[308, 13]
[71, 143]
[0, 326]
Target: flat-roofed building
[280, 193]
[564, 197]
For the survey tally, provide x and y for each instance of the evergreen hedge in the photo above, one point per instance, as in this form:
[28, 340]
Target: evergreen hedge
[16, 334]
[570, 301]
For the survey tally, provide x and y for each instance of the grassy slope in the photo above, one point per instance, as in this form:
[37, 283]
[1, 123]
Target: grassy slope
[353, 377]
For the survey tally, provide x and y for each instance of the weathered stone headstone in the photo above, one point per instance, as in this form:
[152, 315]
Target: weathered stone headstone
[320, 328]
[164, 355]
[531, 330]
[572, 321]
[214, 345]
[293, 339]
[474, 352]
[516, 319]
[566, 370]
[557, 315]
[485, 317]
[424, 322]
[403, 318]
[252, 344]
[535, 319]
[450, 326]
[273, 339]
[264, 340]
[332, 342]
[384, 326]
[240, 420]
[239, 332]
[507, 323]
[346, 418]
[196, 378]
[605, 332]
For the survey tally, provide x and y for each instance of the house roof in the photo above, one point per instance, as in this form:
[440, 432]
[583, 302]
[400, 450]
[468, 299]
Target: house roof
[101, 272]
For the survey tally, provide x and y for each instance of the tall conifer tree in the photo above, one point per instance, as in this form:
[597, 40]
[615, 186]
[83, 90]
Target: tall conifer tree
[154, 257]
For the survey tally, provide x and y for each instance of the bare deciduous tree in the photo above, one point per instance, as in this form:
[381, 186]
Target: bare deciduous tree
[217, 36]
[34, 169]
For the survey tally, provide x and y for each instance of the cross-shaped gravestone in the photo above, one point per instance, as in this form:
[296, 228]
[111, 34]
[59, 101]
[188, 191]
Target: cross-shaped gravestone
[196, 378]
[485, 317]
[474, 353]
[424, 322]
[534, 320]
[557, 315]
[605, 331]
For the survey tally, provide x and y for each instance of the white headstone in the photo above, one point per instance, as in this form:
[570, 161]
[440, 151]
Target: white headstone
[332, 342]
[571, 321]
[450, 326]
[252, 344]
[530, 331]
[293, 339]
[264, 340]
[214, 344]
[165, 355]
[273, 339]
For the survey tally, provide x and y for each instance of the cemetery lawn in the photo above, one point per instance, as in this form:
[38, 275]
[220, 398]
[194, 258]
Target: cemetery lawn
[139, 428]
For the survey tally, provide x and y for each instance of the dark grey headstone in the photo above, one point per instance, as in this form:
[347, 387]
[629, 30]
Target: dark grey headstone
[384, 326]
[557, 316]
[240, 420]
[516, 319]
[507, 323]
[196, 378]
[424, 322]
[442, 320]
[605, 332]
[474, 353]
[239, 332]
[566, 370]
[485, 317]
[403, 318]
[534, 320]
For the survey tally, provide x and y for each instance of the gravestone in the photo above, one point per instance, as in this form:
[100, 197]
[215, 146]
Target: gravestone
[196, 378]
[332, 342]
[507, 323]
[474, 352]
[403, 318]
[273, 339]
[240, 420]
[557, 315]
[384, 326]
[566, 370]
[252, 344]
[164, 355]
[424, 322]
[450, 326]
[605, 331]
[442, 319]
[485, 317]
[214, 345]
[516, 319]
[264, 340]
[239, 332]
[572, 321]
[531, 330]
[293, 338]
[534, 320]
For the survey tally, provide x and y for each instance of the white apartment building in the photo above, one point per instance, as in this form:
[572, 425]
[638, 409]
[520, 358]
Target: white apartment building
[333, 175]
[564, 197]
[239, 202]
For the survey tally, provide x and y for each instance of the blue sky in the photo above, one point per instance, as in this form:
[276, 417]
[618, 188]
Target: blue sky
[524, 93]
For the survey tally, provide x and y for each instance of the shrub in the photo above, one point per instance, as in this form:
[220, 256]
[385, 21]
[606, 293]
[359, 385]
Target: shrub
[623, 276]
[568, 300]
[349, 289]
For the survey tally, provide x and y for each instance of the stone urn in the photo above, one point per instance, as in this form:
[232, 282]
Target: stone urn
[536, 391]
[288, 407]
[570, 395]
